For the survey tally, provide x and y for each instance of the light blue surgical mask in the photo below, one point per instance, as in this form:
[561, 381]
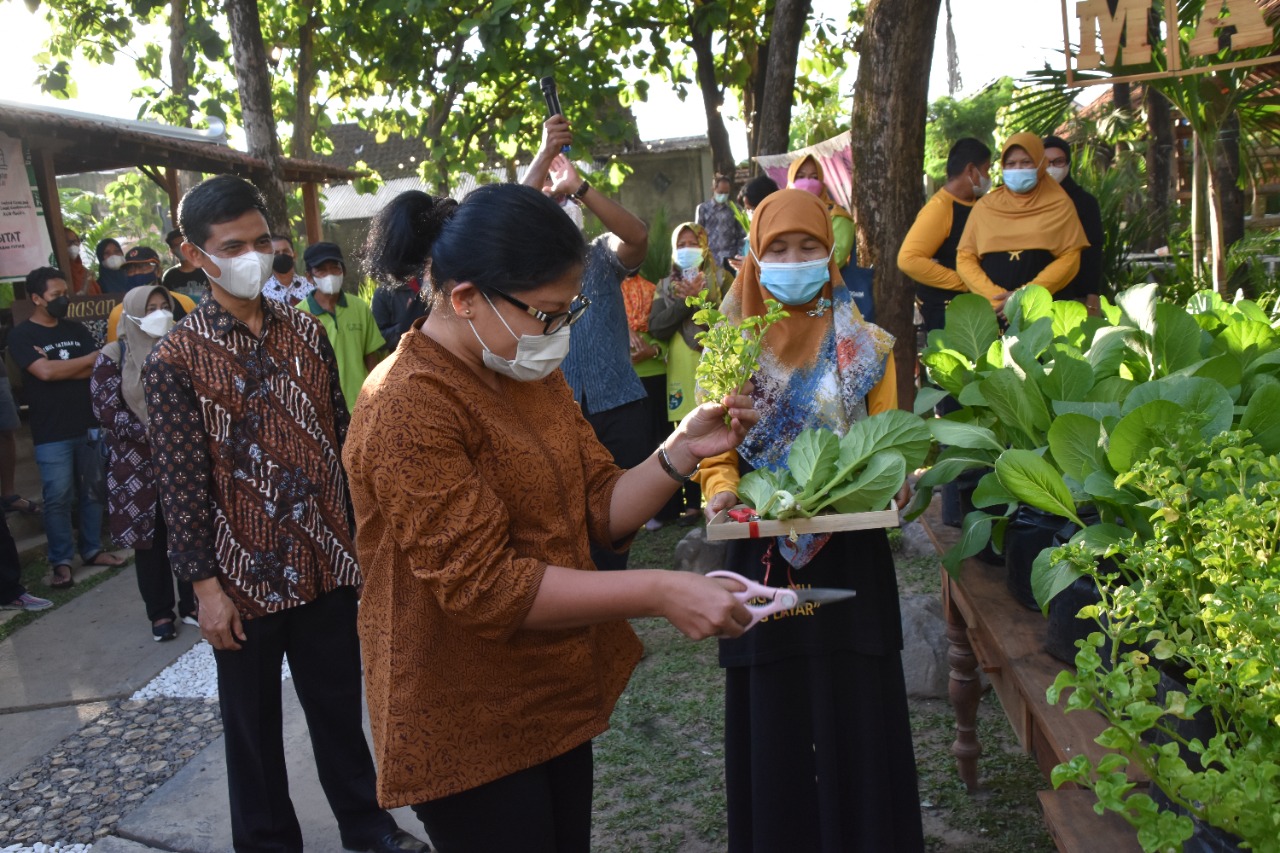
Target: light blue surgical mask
[1020, 180]
[795, 283]
[688, 257]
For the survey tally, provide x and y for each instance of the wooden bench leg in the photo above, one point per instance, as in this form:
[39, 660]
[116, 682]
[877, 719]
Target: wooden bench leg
[965, 691]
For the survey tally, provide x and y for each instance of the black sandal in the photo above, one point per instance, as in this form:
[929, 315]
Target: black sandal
[61, 582]
[17, 503]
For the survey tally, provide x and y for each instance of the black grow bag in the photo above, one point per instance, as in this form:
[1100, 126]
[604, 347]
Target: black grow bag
[1029, 532]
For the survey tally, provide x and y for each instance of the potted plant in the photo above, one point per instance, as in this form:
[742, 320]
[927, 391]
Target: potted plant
[1202, 614]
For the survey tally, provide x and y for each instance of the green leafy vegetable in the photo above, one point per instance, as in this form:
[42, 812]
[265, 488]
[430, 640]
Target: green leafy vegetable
[860, 472]
[730, 353]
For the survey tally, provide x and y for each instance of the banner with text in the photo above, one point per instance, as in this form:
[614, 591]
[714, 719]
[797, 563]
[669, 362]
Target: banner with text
[24, 239]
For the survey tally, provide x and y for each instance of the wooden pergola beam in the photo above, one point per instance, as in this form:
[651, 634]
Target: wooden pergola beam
[47, 185]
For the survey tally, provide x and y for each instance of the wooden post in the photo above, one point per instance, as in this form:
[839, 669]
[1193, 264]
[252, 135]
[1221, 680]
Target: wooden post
[964, 688]
[171, 188]
[311, 212]
[47, 184]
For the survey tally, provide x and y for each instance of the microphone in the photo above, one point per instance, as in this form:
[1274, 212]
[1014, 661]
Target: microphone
[551, 96]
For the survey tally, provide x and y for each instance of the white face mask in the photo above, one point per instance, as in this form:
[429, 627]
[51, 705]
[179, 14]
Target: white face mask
[243, 275]
[1058, 173]
[537, 356]
[114, 262]
[155, 324]
[329, 284]
[981, 189]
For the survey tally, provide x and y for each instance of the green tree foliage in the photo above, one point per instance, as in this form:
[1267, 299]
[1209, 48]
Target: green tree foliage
[132, 209]
[954, 118]
[458, 77]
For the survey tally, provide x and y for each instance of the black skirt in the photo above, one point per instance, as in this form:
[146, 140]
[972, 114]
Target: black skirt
[818, 752]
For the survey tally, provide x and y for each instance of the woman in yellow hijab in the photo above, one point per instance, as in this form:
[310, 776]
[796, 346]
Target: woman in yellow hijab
[818, 753]
[806, 174]
[1024, 232]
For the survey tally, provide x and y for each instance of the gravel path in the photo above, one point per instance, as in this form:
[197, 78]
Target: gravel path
[81, 789]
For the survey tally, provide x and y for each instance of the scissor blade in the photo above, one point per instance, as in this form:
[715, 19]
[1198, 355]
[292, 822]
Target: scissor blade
[824, 595]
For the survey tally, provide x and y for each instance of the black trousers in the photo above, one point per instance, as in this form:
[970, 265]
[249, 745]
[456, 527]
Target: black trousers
[545, 809]
[155, 577]
[625, 432]
[320, 641]
[10, 566]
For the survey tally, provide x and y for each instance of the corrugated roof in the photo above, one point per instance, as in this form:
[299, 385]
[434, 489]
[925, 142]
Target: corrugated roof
[342, 202]
[83, 142]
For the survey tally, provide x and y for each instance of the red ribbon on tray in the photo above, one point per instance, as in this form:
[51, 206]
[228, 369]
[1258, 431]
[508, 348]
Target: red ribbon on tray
[746, 515]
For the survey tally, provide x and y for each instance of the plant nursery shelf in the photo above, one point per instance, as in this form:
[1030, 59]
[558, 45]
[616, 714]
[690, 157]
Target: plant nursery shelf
[991, 631]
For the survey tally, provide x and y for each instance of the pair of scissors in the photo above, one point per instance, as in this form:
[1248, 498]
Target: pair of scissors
[778, 598]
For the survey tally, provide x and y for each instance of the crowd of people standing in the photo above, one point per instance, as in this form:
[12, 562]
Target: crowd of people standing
[444, 530]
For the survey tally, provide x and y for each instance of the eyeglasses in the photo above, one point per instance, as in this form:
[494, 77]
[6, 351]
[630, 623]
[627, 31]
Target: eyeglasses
[1058, 163]
[552, 322]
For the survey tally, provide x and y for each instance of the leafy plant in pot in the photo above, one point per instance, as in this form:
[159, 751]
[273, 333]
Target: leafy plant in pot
[1003, 393]
[1204, 605]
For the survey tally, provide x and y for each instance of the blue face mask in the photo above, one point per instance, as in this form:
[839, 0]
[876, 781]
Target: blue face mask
[141, 278]
[795, 283]
[688, 257]
[1021, 180]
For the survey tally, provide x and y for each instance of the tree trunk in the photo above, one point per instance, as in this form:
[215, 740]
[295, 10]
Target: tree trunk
[1197, 204]
[1226, 168]
[753, 95]
[1217, 230]
[890, 102]
[774, 132]
[179, 72]
[254, 83]
[1228, 200]
[1159, 161]
[303, 120]
[712, 95]
[1122, 96]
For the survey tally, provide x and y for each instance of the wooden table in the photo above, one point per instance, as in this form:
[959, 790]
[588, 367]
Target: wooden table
[988, 629]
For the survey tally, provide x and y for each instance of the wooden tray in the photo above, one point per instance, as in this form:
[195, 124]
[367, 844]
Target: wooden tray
[724, 527]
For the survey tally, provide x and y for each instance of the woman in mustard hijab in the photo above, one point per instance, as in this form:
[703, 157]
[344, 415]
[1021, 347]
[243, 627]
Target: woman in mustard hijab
[818, 753]
[1024, 232]
[806, 174]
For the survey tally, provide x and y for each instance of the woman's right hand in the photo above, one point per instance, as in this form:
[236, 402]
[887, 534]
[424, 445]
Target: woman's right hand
[720, 501]
[702, 607]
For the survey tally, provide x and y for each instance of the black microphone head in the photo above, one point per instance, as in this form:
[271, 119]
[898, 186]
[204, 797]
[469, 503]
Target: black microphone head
[548, 84]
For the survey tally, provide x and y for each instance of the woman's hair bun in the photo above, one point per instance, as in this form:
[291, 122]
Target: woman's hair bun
[402, 234]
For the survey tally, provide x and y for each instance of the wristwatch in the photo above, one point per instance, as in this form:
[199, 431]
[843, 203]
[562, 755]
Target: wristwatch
[581, 190]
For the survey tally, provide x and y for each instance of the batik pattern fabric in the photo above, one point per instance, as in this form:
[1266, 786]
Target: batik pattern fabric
[247, 438]
[830, 392]
[131, 480]
[291, 294]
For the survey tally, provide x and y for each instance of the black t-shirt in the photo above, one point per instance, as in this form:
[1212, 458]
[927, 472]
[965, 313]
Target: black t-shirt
[175, 279]
[60, 410]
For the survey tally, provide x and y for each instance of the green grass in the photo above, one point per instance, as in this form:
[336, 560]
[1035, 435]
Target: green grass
[660, 767]
[34, 575]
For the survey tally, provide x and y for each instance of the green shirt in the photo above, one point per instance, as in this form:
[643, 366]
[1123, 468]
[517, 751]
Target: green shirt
[353, 334]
